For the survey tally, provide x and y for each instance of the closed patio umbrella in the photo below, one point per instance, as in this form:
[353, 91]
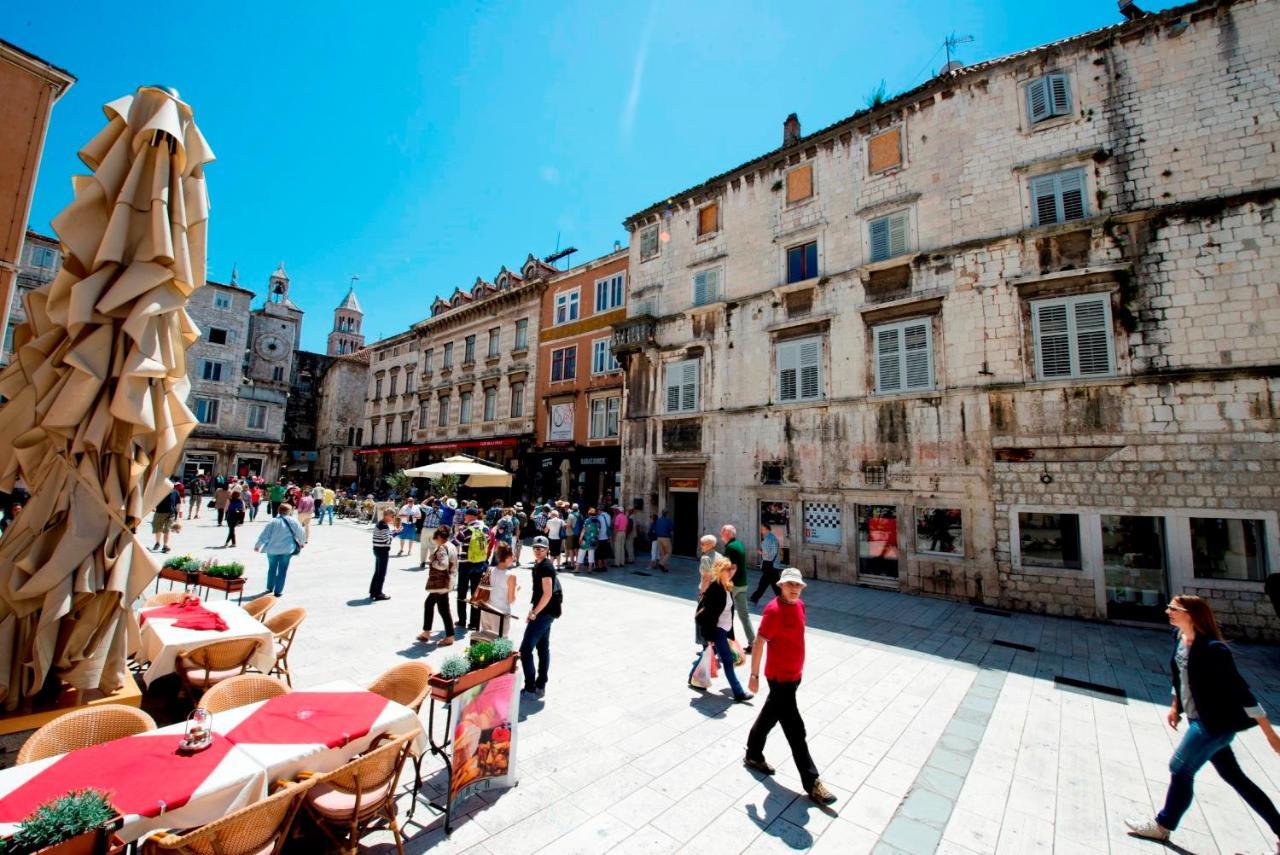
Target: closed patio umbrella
[481, 474]
[95, 415]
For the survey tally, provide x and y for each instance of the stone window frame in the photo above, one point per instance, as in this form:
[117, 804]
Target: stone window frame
[699, 234]
[641, 236]
[811, 164]
[1025, 124]
[966, 528]
[249, 413]
[1097, 281]
[902, 311]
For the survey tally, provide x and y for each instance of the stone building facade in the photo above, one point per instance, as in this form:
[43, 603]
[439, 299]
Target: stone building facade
[579, 383]
[1009, 337]
[39, 262]
[340, 403]
[390, 403]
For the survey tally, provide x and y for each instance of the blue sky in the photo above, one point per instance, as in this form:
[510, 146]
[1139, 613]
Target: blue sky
[419, 145]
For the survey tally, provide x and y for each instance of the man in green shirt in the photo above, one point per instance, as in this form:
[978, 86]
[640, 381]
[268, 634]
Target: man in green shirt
[274, 497]
[737, 553]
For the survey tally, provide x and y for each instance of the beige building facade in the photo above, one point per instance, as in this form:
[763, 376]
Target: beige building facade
[1010, 337]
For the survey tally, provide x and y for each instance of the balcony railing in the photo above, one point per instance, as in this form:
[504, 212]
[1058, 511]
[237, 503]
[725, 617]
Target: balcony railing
[633, 335]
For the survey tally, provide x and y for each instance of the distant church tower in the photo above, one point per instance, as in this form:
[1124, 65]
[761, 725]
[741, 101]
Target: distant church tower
[346, 336]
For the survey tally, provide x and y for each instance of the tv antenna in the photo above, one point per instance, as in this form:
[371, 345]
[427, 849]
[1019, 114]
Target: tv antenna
[949, 44]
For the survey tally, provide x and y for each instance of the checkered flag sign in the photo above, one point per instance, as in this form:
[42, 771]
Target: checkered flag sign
[822, 523]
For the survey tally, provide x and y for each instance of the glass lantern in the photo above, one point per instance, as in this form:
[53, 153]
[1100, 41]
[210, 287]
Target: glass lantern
[199, 730]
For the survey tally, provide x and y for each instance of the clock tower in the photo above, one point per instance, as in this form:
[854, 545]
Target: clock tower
[275, 331]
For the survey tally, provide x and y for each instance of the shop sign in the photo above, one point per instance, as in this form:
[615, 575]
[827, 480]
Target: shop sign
[594, 461]
[561, 426]
[684, 483]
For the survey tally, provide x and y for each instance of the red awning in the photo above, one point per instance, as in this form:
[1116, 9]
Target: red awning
[504, 442]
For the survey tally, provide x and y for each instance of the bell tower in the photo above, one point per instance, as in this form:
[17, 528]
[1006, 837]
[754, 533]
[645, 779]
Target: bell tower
[346, 336]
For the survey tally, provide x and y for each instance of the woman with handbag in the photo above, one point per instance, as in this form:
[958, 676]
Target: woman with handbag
[234, 516]
[442, 572]
[715, 621]
[280, 540]
[501, 589]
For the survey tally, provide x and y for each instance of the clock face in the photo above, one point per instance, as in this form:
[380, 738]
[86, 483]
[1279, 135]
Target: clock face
[270, 347]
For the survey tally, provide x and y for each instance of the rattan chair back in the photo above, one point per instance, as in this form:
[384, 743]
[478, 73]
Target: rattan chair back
[259, 606]
[405, 683]
[82, 728]
[284, 626]
[168, 598]
[247, 831]
[240, 691]
[374, 773]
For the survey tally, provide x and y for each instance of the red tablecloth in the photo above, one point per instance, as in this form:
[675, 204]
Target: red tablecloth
[331, 719]
[193, 616]
[142, 775]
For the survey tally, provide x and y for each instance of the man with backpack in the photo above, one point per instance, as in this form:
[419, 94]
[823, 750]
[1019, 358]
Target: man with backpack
[472, 541]
[545, 606]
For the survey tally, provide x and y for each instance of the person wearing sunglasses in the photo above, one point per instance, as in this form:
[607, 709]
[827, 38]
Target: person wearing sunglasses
[1218, 704]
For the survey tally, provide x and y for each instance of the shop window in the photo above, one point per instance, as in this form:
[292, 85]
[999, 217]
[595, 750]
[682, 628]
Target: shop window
[939, 531]
[1134, 564]
[878, 540]
[1050, 540]
[822, 523]
[1229, 549]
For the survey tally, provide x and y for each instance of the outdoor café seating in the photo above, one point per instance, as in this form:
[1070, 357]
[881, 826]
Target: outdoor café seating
[240, 691]
[204, 666]
[82, 728]
[284, 626]
[167, 598]
[405, 683]
[259, 829]
[259, 606]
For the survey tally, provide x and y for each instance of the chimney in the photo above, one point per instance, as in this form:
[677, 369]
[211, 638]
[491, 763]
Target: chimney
[791, 130]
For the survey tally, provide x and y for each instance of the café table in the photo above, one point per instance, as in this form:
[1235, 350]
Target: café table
[160, 641]
[145, 779]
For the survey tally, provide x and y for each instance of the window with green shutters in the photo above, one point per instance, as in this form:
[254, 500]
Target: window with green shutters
[1048, 96]
[799, 366]
[889, 235]
[706, 286]
[1058, 198]
[904, 356]
[1073, 337]
[682, 386]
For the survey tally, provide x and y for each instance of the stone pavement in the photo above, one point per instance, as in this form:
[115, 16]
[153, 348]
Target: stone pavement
[939, 728]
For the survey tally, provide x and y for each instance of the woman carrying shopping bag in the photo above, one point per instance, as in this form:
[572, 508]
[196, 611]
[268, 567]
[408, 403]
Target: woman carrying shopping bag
[442, 573]
[715, 620]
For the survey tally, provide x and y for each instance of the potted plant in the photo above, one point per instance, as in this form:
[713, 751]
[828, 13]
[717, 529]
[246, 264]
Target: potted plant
[227, 577]
[181, 568]
[480, 662]
[79, 823]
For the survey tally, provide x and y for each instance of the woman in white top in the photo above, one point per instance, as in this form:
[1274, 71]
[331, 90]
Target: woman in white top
[555, 534]
[502, 590]
[409, 514]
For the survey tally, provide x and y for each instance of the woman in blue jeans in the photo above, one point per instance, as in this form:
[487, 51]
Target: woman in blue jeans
[715, 620]
[1217, 703]
[280, 538]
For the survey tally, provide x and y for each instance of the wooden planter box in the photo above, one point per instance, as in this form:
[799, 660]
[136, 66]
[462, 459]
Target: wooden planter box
[218, 583]
[173, 574]
[98, 840]
[444, 690]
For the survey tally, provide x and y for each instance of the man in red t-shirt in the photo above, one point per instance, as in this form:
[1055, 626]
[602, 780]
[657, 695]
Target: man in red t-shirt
[781, 631]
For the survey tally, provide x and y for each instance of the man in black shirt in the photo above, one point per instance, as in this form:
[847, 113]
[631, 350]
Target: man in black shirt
[162, 519]
[544, 609]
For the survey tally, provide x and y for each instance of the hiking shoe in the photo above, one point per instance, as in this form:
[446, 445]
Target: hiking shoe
[1148, 828]
[819, 794]
[759, 764]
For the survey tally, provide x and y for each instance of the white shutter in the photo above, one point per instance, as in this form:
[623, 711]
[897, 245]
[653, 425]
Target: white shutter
[689, 386]
[918, 355]
[1044, 200]
[1071, 192]
[1093, 339]
[888, 362]
[788, 353]
[810, 352]
[898, 233]
[879, 239]
[673, 387]
[1059, 90]
[1038, 103]
[1053, 340]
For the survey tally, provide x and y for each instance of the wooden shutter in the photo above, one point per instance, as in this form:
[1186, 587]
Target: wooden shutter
[1038, 100]
[888, 361]
[788, 353]
[673, 387]
[706, 287]
[810, 359]
[1071, 192]
[799, 183]
[897, 233]
[1059, 92]
[648, 242]
[689, 385]
[884, 151]
[1044, 200]
[1092, 337]
[1053, 340]
[708, 219]
[918, 355]
[880, 239]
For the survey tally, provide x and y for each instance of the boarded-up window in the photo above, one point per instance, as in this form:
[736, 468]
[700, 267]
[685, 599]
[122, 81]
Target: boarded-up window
[648, 242]
[708, 220]
[884, 151]
[799, 183]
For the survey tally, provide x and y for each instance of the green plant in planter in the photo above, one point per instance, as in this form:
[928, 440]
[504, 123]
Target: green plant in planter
[184, 563]
[454, 667]
[62, 819]
[480, 653]
[502, 648]
[232, 570]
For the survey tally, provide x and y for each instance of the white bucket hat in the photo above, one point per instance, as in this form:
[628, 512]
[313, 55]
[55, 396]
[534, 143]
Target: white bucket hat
[791, 574]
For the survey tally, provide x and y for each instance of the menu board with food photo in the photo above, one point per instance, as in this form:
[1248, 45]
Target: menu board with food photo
[484, 739]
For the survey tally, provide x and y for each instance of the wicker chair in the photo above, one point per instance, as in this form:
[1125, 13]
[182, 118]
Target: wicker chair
[201, 668]
[405, 684]
[347, 801]
[168, 598]
[259, 606]
[260, 828]
[284, 626]
[83, 728]
[238, 691]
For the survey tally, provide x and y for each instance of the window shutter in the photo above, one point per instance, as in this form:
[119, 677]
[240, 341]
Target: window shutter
[898, 233]
[888, 364]
[1038, 103]
[1071, 187]
[700, 288]
[799, 183]
[788, 370]
[649, 242]
[918, 355]
[1053, 340]
[1044, 199]
[689, 386]
[810, 360]
[879, 239]
[708, 219]
[1059, 91]
[673, 387]
[1093, 339]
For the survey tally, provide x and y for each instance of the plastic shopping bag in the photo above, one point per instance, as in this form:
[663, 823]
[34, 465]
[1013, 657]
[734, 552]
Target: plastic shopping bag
[701, 676]
[738, 656]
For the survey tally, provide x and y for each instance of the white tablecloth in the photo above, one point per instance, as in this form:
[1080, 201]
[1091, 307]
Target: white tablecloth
[238, 780]
[160, 640]
[288, 759]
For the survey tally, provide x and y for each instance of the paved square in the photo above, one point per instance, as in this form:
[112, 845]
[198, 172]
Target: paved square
[935, 733]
